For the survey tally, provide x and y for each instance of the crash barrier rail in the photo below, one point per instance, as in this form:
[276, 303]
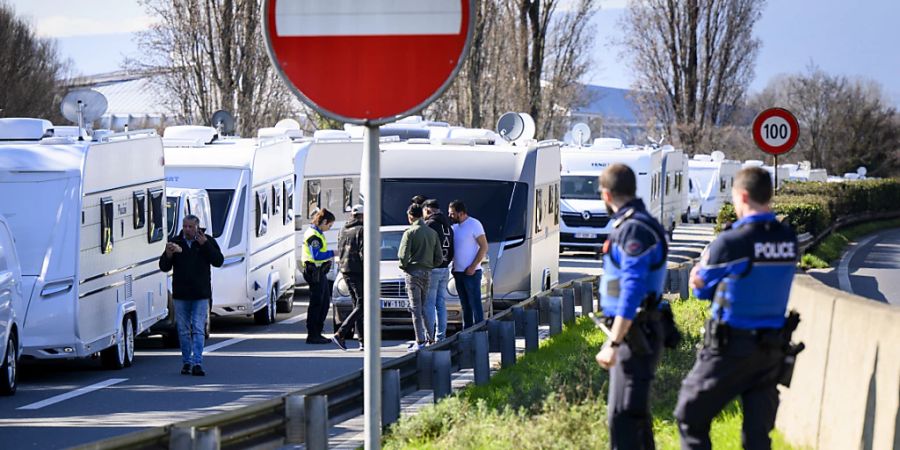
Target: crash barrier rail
[304, 416]
[843, 222]
[845, 392]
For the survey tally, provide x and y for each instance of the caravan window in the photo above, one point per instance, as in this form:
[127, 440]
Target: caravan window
[155, 217]
[237, 230]
[722, 183]
[288, 201]
[348, 194]
[137, 209]
[106, 225]
[219, 205]
[277, 199]
[313, 197]
[668, 183]
[556, 206]
[171, 215]
[538, 210]
[580, 187]
[262, 207]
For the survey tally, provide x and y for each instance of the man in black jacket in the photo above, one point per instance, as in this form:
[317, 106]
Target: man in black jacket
[435, 306]
[189, 256]
[350, 246]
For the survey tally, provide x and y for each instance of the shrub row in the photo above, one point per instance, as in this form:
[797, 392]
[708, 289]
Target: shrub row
[813, 206]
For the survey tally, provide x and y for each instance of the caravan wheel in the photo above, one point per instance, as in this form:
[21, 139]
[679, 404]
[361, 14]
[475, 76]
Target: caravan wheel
[128, 326]
[266, 315]
[116, 357]
[8, 374]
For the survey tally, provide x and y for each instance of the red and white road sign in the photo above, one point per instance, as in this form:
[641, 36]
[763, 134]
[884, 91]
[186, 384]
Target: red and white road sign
[776, 131]
[367, 61]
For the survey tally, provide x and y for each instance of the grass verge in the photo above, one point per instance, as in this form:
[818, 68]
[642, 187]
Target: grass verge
[832, 247]
[556, 398]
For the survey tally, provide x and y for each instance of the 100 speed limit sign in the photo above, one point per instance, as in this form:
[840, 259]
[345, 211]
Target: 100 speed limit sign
[776, 131]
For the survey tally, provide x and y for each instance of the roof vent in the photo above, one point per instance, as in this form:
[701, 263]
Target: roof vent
[25, 129]
[607, 144]
[331, 135]
[193, 133]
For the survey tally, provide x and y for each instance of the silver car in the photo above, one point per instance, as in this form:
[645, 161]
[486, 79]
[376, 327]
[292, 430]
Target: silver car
[395, 314]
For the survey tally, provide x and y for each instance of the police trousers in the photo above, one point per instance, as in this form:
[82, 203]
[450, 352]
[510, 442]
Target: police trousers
[742, 368]
[630, 421]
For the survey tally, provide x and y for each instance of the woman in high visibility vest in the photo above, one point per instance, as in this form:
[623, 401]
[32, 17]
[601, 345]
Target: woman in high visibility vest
[317, 260]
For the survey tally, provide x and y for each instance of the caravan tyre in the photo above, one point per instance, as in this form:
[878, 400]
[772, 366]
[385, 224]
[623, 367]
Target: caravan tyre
[266, 315]
[9, 374]
[114, 357]
[287, 306]
[128, 326]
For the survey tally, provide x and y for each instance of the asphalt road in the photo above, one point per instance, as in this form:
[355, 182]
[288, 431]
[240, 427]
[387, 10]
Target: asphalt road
[870, 268]
[66, 403]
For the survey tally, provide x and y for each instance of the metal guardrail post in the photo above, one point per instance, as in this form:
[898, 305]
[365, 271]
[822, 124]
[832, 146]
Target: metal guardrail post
[543, 302]
[390, 397]
[555, 315]
[181, 438]
[507, 343]
[482, 363]
[518, 313]
[587, 297]
[316, 416]
[466, 350]
[294, 419]
[599, 295]
[493, 327]
[568, 311]
[576, 288]
[531, 330]
[685, 286]
[208, 439]
[440, 374]
[424, 361]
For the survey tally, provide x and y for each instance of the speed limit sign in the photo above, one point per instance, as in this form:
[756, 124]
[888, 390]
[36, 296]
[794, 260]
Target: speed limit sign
[776, 131]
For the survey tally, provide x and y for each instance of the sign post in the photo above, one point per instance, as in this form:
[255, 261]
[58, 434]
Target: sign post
[368, 63]
[776, 131]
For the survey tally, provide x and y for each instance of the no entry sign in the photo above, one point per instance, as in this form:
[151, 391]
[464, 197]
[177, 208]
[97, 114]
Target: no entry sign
[367, 61]
[776, 131]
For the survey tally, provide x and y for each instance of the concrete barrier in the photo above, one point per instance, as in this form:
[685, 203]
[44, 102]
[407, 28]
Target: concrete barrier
[846, 387]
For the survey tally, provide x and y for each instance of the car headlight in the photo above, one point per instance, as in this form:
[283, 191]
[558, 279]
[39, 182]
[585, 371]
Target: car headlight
[451, 288]
[342, 288]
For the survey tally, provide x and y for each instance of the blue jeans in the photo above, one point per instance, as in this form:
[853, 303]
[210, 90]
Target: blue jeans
[435, 303]
[469, 289]
[190, 316]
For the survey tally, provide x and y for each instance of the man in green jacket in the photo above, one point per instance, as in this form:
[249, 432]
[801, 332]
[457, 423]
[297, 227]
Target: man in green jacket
[420, 251]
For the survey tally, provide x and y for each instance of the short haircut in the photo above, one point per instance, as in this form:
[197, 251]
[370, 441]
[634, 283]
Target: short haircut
[458, 206]
[432, 203]
[619, 180]
[322, 217]
[414, 211]
[757, 182]
[419, 199]
[193, 218]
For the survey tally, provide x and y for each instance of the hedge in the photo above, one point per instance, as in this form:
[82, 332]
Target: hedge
[813, 206]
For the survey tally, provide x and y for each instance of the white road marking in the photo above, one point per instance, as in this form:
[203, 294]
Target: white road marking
[844, 266]
[73, 394]
[296, 319]
[232, 341]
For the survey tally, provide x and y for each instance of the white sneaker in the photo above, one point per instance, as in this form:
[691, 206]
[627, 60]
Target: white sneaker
[415, 347]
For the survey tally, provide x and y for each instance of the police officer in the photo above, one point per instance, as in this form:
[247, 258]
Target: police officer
[634, 265]
[317, 260]
[747, 273]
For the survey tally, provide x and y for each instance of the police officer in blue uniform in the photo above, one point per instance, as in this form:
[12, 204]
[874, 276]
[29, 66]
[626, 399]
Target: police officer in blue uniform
[634, 265]
[747, 273]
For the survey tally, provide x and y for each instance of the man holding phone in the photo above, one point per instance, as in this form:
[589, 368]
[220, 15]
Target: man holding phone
[189, 256]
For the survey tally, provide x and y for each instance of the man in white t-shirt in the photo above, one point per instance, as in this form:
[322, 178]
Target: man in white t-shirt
[469, 249]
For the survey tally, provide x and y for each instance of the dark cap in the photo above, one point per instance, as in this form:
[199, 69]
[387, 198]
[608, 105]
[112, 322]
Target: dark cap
[432, 203]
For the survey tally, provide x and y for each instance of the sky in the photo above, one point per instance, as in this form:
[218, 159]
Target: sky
[854, 38]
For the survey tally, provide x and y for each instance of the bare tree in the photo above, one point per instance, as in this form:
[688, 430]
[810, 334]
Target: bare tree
[695, 58]
[32, 75]
[216, 58]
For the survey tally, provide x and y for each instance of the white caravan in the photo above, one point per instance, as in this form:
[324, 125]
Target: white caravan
[784, 172]
[585, 222]
[804, 172]
[11, 310]
[250, 184]
[675, 204]
[512, 189]
[89, 221]
[709, 186]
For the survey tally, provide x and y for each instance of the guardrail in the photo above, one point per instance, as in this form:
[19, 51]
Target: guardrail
[305, 415]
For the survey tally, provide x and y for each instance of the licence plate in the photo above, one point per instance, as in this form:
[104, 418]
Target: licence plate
[395, 304]
[585, 236]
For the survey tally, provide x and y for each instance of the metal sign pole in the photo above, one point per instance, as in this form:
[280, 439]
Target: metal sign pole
[776, 172]
[371, 177]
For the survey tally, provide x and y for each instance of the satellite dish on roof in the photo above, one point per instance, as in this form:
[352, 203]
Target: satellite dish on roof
[567, 138]
[83, 105]
[862, 171]
[514, 127]
[718, 156]
[581, 133]
[223, 122]
[288, 124]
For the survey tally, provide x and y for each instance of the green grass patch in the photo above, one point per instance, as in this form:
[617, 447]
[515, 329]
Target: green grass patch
[556, 398]
[832, 247]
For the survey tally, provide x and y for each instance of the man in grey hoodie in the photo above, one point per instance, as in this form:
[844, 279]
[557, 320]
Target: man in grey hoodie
[420, 251]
